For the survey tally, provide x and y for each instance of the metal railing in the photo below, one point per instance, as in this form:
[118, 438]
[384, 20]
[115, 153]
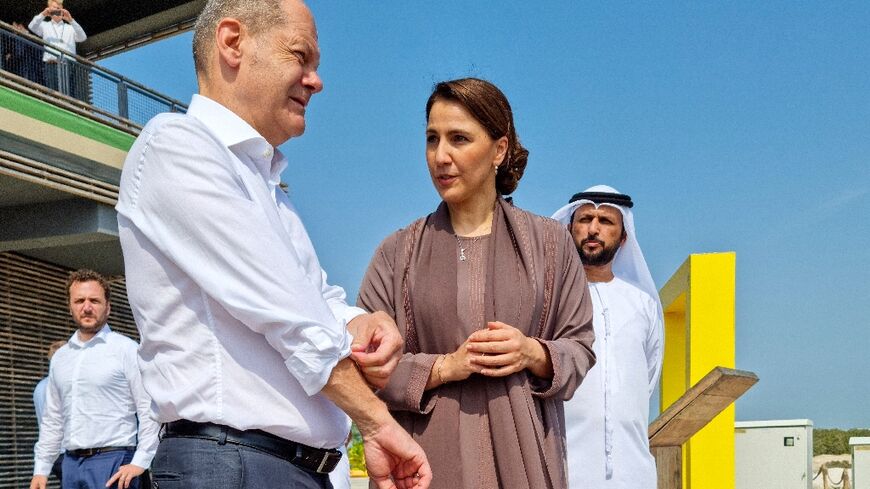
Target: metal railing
[73, 82]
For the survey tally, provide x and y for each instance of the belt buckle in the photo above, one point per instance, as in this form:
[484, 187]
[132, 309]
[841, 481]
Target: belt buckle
[324, 462]
[86, 452]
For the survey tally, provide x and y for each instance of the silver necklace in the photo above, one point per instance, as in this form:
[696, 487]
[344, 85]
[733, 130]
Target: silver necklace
[462, 256]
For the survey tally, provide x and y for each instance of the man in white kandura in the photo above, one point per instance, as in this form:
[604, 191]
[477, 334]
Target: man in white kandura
[606, 420]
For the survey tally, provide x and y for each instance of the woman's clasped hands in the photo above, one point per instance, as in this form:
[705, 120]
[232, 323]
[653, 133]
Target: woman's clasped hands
[497, 351]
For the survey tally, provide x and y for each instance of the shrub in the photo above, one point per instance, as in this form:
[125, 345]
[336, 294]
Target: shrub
[834, 441]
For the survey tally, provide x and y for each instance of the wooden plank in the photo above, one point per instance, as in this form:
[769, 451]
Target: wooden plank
[699, 405]
[669, 465]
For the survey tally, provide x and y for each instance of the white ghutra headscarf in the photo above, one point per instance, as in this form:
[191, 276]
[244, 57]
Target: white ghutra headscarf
[628, 264]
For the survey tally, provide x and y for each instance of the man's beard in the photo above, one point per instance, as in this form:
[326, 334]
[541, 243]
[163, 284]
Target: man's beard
[90, 329]
[98, 324]
[599, 258]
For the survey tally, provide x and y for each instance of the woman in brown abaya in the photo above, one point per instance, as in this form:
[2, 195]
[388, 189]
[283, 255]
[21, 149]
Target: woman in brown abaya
[492, 302]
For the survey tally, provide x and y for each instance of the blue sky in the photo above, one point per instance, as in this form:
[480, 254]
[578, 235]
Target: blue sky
[735, 126]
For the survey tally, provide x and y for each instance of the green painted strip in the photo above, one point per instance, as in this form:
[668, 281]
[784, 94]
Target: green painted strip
[45, 112]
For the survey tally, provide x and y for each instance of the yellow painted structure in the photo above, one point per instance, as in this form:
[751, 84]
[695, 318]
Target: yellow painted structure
[698, 303]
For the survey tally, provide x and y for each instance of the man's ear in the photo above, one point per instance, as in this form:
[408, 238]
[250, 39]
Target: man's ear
[228, 40]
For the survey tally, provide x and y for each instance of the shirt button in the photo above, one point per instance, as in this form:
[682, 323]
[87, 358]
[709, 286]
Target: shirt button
[267, 153]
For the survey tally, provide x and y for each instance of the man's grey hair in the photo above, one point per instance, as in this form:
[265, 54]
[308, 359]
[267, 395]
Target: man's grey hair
[256, 15]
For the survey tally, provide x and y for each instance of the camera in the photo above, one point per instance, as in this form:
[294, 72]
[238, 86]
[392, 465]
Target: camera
[56, 12]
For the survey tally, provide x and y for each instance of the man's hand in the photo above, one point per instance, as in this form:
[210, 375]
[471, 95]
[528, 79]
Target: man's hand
[394, 460]
[65, 15]
[46, 12]
[125, 475]
[377, 346]
[39, 482]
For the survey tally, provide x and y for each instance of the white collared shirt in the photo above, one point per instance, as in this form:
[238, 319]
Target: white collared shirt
[95, 399]
[58, 34]
[239, 325]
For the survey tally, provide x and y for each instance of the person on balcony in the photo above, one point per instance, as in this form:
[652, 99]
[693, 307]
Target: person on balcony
[63, 32]
[20, 56]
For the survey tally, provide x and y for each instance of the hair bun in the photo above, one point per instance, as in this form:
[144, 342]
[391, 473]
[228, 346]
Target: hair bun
[511, 171]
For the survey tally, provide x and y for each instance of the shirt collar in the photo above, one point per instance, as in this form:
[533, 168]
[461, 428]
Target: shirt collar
[239, 136]
[100, 336]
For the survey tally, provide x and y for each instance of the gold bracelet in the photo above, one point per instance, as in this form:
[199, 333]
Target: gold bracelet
[438, 370]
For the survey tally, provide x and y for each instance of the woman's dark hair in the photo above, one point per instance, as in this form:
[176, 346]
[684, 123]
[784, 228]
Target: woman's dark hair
[488, 105]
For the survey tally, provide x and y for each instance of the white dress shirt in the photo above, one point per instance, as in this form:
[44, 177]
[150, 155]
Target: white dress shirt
[606, 420]
[95, 399]
[239, 325]
[58, 34]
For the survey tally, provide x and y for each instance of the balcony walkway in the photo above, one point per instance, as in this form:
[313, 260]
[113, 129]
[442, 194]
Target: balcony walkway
[73, 83]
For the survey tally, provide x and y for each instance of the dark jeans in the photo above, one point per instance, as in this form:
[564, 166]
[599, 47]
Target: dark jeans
[193, 463]
[93, 472]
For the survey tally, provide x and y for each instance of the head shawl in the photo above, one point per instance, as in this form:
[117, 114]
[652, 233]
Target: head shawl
[628, 264]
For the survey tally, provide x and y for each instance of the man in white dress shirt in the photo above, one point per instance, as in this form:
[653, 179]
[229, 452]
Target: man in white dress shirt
[606, 420]
[249, 354]
[95, 405]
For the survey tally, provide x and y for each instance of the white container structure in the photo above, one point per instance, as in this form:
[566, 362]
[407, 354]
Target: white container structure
[860, 446]
[773, 454]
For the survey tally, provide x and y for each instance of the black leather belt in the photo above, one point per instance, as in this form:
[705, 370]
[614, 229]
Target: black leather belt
[319, 460]
[89, 452]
